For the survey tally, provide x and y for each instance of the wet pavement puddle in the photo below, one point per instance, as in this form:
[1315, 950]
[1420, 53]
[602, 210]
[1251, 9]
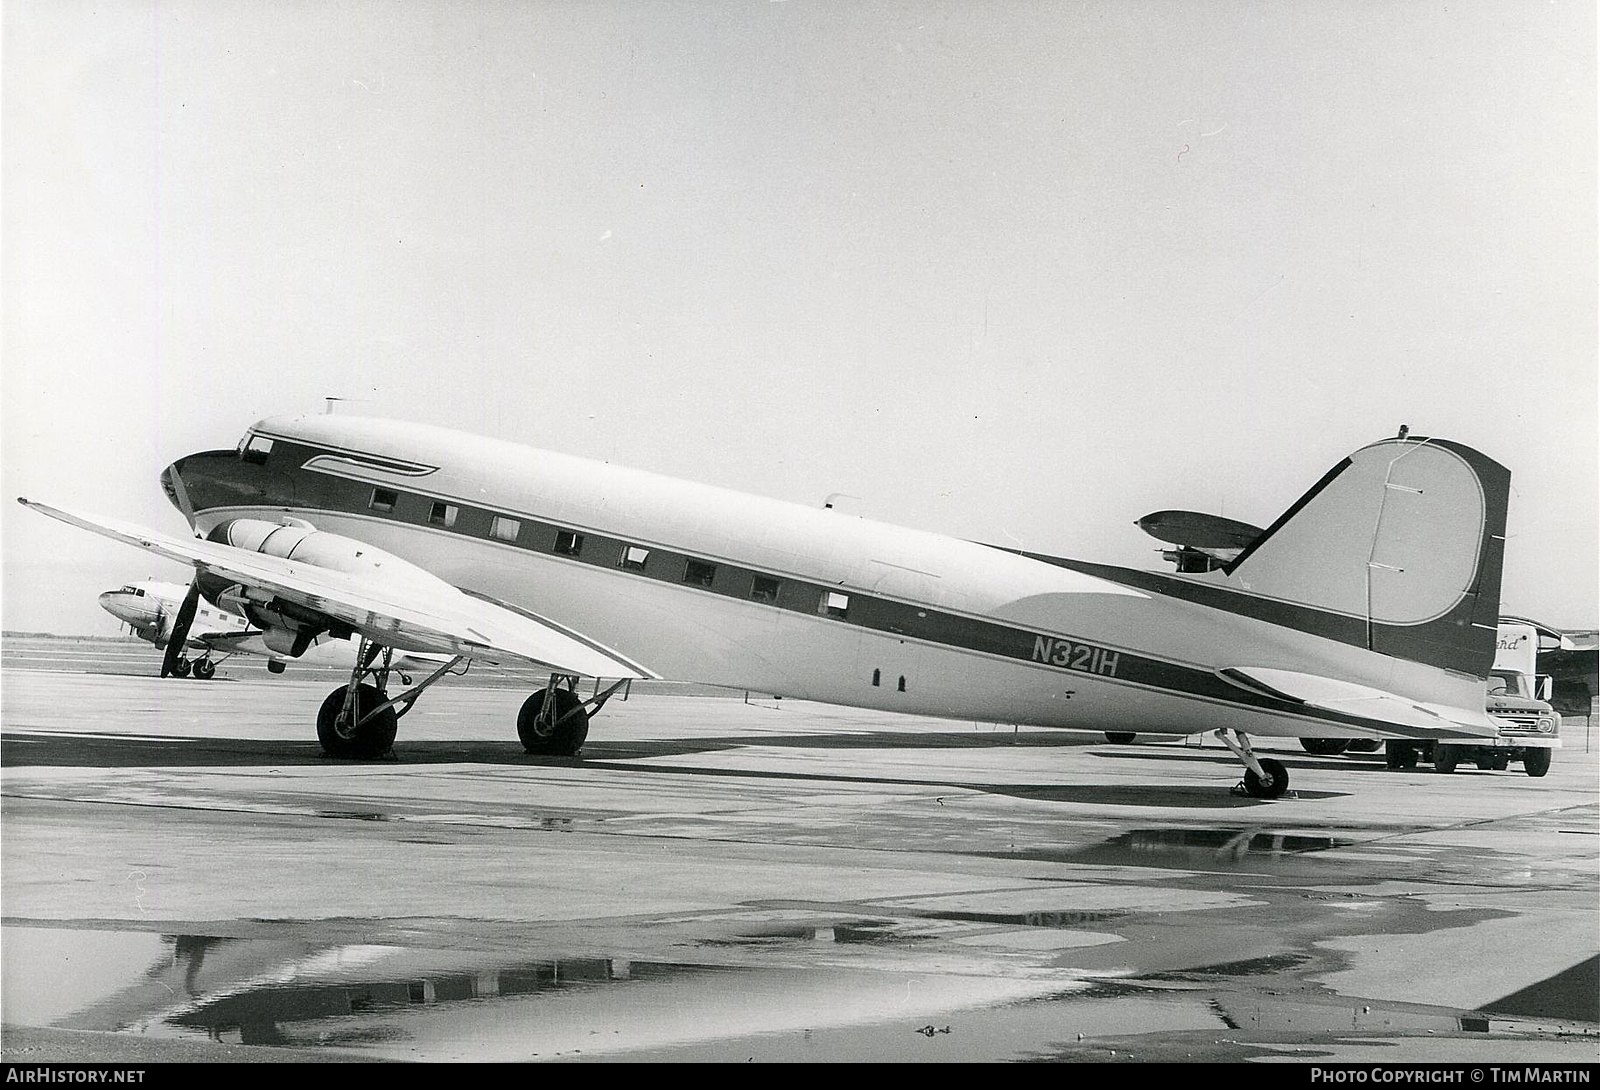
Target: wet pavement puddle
[397, 1002]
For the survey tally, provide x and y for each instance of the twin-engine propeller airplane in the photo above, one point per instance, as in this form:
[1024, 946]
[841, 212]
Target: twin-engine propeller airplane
[1367, 610]
[150, 608]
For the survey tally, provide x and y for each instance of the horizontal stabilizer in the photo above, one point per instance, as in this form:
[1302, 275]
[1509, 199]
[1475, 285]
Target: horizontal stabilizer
[1377, 709]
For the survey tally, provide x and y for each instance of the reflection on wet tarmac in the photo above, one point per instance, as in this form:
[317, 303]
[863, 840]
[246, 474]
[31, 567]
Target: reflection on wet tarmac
[431, 1004]
[1211, 848]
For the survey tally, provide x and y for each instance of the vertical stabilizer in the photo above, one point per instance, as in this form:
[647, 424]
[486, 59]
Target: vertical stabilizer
[1407, 536]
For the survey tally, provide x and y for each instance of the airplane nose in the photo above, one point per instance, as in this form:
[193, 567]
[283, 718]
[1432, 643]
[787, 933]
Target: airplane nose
[126, 607]
[172, 485]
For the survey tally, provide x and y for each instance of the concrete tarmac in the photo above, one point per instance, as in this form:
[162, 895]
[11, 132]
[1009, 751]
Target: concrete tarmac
[186, 877]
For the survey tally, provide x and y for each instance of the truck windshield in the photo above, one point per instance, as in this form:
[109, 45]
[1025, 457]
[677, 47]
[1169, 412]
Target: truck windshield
[1509, 684]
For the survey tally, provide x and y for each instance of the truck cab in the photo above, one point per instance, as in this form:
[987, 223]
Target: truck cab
[1520, 699]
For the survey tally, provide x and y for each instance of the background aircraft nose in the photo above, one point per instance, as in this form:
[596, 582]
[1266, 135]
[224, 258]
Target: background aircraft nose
[127, 607]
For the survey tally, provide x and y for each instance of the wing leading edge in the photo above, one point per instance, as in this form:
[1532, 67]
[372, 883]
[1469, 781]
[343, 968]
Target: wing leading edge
[429, 618]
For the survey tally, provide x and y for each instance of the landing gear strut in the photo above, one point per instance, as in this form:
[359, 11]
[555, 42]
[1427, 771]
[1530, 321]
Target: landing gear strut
[359, 720]
[554, 721]
[1264, 778]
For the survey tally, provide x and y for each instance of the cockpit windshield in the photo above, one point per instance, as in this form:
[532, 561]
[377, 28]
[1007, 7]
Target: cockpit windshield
[253, 447]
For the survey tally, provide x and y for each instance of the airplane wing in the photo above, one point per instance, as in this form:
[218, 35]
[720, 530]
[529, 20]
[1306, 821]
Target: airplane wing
[436, 619]
[239, 641]
[1348, 698]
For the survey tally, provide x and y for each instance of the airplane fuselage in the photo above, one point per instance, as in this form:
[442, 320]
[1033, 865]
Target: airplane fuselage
[705, 584]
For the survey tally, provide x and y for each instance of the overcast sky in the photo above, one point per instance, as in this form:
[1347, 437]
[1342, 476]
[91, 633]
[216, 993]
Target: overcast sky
[1020, 272]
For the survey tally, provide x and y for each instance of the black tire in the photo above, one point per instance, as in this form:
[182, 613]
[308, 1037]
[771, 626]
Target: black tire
[569, 733]
[1325, 747]
[205, 669]
[180, 668]
[1364, 745]
[1445, 758]
[1121, 737]
[1399, 755]
[366, 742]
[1259, 790]
[1536, 762]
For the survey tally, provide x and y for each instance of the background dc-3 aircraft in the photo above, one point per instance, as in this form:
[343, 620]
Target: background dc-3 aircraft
[151, 609]
[1367, 610]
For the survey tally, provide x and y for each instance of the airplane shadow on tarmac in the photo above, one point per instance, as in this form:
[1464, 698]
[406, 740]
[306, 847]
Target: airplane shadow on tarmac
[23, 749]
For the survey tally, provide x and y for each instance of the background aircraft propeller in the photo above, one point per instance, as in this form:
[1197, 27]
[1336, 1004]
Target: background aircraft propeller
[180, 628]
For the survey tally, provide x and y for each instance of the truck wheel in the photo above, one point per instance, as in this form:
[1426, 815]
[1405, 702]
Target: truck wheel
[1444, 759]
[1536, 762]
[1399, 755]
[1324, 747]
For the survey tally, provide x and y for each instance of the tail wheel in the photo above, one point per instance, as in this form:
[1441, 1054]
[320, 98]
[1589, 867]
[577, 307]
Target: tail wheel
[566, 737]
[1324, 747]
[1121, 738]
[345, 735]
[1536, 762]
[1257, 789]
[205, 669]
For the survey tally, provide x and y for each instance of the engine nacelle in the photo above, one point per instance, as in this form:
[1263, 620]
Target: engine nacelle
[289, 628]
[306, 545]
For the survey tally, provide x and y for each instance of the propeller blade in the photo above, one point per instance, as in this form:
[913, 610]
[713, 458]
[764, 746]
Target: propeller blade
[180, 628]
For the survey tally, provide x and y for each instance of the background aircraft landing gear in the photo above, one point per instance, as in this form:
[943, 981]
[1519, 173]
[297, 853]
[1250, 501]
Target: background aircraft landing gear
[558, 730]
[342, 731]
[1120, 737]
[204, 669]
[1325, 747]
[180, 668]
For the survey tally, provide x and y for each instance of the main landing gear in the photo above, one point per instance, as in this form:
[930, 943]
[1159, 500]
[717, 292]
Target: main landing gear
[554, 721]
[359, 720]
[1264, 777]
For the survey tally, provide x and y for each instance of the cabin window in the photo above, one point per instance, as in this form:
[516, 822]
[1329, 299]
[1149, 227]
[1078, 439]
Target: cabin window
[763, 589]
[569, 543]
[902, 683]
[633, 558]
[505, 529]
[699, 573]
[834, 604]
[383, 499]
[443, 514]
[877, 676]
